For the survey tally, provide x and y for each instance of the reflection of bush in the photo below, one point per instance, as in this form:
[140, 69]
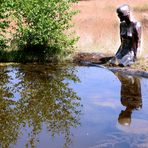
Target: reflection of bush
[8, 117]
[45, 97]
[8, 123]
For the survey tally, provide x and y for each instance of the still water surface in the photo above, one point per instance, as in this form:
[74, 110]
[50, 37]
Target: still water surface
[47, 106]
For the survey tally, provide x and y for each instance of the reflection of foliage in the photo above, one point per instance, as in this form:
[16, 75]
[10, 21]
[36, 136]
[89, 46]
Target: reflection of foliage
[8, 118]
[8, 123]
[44, 97]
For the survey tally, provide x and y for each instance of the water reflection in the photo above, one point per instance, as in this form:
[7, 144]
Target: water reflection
[33, 95]
[131, 97]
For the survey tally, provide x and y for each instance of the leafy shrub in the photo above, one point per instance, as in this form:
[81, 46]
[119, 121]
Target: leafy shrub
[4, 23]
[43, 26]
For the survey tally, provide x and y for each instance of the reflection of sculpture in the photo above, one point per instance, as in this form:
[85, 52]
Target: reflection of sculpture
[130, 97]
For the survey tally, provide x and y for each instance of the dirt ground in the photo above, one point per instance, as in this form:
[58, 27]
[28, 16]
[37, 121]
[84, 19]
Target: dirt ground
[100, 58]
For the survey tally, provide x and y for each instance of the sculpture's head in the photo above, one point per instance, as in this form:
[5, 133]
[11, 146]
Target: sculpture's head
[125, 117]
[123, 12]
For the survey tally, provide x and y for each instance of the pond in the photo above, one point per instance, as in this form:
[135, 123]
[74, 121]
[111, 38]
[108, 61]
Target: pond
[68, 106]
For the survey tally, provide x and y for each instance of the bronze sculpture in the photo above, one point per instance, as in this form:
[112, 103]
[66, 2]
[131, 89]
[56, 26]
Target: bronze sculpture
[130, 35]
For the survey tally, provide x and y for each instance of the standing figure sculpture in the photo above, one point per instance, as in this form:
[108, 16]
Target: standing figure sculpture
[130, 35]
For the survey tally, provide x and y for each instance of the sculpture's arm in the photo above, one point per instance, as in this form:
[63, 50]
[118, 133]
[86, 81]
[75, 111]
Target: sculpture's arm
[138, 38]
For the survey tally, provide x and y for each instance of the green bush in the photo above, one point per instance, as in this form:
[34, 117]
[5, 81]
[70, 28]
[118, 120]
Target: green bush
[42, 27]
[4, 23]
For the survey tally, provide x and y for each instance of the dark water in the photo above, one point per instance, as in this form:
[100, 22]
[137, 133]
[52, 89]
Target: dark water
[47, 106]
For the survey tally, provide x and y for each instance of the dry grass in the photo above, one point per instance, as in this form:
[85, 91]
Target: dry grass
[141, 64]
[97, 24]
